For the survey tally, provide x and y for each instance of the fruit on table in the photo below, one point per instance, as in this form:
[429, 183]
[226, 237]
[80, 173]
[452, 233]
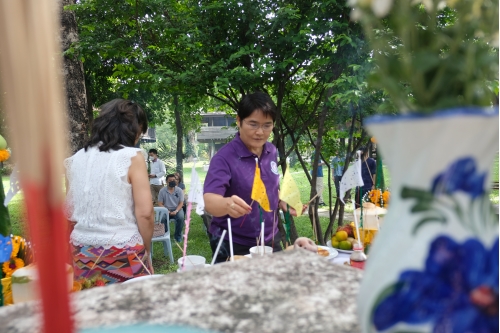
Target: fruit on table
[341, 235]
[335, 242]
[345, 245]
[347, 228]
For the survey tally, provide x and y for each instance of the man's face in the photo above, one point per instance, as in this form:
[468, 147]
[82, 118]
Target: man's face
[170, 179]
[152, 155]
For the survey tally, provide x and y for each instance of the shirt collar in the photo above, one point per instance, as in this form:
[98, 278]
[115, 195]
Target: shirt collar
[243, 151]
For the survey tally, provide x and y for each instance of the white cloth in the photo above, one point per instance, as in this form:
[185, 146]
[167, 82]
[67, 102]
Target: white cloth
[196, 192]
[352, 178]
[158, 169]
[99, 198]
[341, 258]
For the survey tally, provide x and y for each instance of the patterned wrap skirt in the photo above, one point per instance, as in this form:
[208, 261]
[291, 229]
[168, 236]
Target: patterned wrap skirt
[114, 264]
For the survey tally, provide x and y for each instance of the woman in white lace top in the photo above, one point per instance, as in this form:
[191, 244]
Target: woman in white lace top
[108, 197]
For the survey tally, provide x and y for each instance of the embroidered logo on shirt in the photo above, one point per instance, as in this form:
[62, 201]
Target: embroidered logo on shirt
[274, 168]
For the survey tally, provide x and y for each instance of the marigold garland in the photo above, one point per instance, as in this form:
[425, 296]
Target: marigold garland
[4, 155]
[379, 198]
[17, 244]
[11, 266]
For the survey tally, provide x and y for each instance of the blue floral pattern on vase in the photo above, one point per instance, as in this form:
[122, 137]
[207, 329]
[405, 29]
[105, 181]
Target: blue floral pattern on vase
[5, 248]
[436, 204]
[460, 176]
[456, 292]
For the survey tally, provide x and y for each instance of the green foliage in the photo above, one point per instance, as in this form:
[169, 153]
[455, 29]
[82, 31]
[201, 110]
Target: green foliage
[430, 57]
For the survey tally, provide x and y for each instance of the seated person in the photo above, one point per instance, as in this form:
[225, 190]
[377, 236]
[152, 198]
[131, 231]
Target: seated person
[178, 178]
[172, 198]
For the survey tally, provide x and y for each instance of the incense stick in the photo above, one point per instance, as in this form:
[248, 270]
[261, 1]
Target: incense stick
[102, 252]
[180, 248]
[274, 226]
[246, 214]
[218, 247]
[312, 199]
[147, 270]
[230, 238]
[34, 106]
[262, 240]
[356, 223]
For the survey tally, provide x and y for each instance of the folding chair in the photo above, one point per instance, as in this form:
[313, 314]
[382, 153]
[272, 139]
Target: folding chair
[160, 212]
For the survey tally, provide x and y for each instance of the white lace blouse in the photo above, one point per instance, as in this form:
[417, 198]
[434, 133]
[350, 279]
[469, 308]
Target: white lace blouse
[100, 200]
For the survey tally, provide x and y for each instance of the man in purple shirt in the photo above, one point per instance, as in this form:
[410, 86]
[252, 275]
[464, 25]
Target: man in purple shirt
[229, 181]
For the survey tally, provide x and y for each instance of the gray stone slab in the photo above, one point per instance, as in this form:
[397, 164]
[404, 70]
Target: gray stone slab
[296, 291]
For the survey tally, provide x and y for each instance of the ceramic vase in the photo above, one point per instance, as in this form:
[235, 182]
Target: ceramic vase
[434, 265]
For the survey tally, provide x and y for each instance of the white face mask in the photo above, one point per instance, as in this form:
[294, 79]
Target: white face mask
[151, 158]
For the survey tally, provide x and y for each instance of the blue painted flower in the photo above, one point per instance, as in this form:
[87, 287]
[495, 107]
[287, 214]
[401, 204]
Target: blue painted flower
[460, 176]
[457, 292]
[5, 248]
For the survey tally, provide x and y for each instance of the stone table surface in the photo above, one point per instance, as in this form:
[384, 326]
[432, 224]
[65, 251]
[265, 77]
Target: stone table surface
[296, 291]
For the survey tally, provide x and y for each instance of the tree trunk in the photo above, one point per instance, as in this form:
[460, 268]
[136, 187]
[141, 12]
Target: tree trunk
[178, 128]
[333, 215]
[313, 210]
[78, 115]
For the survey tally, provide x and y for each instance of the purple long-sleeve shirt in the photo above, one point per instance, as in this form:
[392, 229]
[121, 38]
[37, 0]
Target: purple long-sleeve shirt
[231, 172]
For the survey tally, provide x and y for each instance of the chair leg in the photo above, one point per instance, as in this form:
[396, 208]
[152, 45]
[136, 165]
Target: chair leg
[167, 249]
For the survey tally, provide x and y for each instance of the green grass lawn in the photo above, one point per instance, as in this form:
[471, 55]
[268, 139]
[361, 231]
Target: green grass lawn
[198, 240]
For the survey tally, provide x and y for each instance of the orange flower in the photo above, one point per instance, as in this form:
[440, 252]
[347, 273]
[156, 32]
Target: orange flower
[4, 155]
[374, 196]
[11, 266]
[387, 197]
[16, 244]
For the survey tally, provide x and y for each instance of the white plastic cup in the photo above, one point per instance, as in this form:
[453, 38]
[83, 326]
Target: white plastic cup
[192, 262]
[256, 251]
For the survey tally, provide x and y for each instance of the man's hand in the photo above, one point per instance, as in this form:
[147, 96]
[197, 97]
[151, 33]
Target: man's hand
[152, 176]
[173, 213]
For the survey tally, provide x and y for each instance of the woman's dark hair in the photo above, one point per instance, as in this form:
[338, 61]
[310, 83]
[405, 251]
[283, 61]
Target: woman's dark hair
[365, 152]
[119, 123]
[256, 101]
[178, 173]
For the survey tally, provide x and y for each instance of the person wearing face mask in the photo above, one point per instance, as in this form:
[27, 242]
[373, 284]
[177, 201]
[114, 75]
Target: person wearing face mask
[156, 174]
[172, 198]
